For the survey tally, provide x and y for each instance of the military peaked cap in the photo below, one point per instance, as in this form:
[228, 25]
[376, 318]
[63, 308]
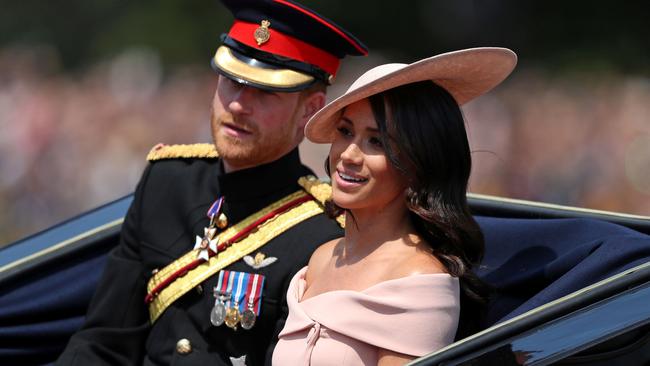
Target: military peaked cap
[280, 45]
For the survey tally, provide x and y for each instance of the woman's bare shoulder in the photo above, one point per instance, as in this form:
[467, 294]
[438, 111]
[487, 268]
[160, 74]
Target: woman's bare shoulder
[422, 262]
[321, 257]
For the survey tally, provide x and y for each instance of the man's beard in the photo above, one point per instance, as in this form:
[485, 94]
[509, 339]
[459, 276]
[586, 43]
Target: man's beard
[252, 151]
[230, 147]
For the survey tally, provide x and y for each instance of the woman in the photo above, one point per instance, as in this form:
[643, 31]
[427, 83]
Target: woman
[391, 289]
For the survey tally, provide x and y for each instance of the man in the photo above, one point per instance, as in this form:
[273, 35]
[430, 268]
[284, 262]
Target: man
[209, 244]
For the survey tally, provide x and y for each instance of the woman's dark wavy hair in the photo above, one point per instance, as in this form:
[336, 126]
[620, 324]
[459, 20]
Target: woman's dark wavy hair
[424, 137]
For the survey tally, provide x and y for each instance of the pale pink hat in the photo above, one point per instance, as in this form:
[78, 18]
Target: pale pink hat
[465, 74]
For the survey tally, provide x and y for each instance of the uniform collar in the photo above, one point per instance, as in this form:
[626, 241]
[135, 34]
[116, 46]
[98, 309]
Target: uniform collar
[262, 180]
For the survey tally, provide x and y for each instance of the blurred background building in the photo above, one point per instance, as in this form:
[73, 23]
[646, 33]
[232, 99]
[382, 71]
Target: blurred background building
[88, 87]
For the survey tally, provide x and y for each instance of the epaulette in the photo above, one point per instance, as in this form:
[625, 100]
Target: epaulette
[162, 151]
[321, 191]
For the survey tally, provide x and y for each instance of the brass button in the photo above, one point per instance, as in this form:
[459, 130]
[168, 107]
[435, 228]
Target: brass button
[154, 271]
[199, 289]
[183, 346]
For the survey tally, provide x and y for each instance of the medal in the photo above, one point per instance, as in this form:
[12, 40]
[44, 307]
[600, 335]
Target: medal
[237, 301]
[248, 318]
[222, 292]
[218, 313]
[232, 317]
[232, 314]
[206, 243]
[209, 243]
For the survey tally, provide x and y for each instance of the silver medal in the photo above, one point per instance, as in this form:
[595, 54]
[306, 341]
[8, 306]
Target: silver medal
[218, 314]
[248, 319]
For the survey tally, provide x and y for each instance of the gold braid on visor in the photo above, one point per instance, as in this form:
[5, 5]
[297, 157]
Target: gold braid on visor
[283, 78]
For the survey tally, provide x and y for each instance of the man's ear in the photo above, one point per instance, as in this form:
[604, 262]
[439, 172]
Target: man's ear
[312, 104]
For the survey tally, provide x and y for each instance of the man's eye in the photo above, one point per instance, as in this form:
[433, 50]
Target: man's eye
[233, 85]
[268, 92]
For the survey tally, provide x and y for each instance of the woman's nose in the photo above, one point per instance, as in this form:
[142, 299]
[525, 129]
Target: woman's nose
[352, 154]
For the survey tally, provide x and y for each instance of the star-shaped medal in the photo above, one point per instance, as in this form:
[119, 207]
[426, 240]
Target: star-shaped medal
[206, 243]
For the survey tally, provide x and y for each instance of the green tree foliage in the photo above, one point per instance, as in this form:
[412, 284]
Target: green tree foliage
[559, 35]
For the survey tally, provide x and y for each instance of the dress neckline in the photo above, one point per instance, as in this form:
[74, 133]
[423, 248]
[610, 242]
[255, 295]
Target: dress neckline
[302, 285]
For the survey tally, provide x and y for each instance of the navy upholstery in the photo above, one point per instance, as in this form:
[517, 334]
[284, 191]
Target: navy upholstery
[40, 310]
[532, 261]
[535, 261]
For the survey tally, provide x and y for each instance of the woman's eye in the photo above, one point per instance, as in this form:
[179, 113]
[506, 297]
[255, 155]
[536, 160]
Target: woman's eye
[375, 141]
[344, 131]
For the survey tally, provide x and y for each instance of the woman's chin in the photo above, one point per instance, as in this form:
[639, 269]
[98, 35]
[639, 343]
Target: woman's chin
[346, 202]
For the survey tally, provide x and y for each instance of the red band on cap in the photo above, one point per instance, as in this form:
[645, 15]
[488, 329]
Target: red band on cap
[286, 46]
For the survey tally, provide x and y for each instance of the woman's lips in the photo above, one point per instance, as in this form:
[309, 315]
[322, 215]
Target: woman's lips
[349, 180]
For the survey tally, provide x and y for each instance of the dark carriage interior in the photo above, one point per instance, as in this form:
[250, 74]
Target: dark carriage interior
[534, 255]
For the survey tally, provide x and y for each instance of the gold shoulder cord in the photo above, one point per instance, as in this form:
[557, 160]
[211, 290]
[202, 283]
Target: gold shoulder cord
[262, 235]
[161, 151]
[321, 191]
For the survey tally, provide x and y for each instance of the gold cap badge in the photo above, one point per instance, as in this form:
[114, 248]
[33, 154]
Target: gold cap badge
[262, 33]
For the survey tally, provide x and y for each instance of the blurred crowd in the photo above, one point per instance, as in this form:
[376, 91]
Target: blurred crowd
[71, 142]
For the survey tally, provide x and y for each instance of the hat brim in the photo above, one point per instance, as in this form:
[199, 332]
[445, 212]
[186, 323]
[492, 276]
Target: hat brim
[259, 74]
[465, 74]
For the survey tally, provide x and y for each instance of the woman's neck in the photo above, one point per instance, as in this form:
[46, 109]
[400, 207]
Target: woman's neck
[367, 230]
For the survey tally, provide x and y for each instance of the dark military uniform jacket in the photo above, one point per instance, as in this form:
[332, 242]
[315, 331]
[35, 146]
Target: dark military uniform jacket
[168, 212]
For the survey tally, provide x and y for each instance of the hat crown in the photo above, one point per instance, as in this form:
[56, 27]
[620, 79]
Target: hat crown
[465, 74]
[374, 74]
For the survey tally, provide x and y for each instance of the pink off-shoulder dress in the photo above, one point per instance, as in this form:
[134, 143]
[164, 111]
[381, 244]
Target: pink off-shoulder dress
[413, 315]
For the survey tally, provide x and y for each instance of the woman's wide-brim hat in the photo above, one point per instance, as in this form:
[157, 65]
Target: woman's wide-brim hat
[465, 74]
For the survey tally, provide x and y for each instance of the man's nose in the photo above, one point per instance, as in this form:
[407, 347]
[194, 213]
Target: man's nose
[242, 101]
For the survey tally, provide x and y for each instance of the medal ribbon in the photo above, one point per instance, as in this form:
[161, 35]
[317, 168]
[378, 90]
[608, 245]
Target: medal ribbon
[215, 209]
[222, 274]
[254, 293]
[219, 290]
[237, 294]
[223, 286]
[250, 289]
[229, 283]
[247, 292]
[223, 245]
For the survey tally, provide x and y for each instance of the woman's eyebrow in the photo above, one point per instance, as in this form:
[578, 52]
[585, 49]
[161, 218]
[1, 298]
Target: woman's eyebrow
[346, 119]
[349, 121]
